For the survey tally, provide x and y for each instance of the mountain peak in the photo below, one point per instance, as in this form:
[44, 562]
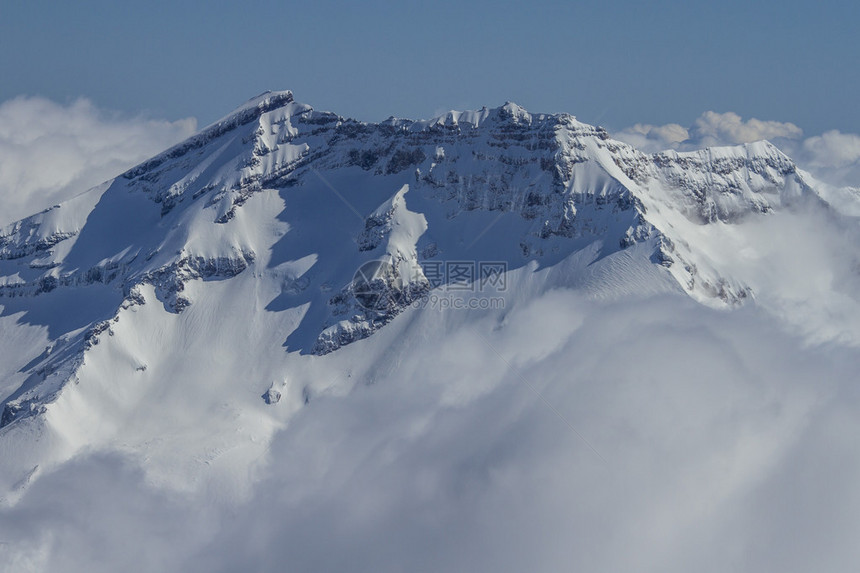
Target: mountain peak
[515, 113]
[510, 112]
[246, 113]
[257, 105]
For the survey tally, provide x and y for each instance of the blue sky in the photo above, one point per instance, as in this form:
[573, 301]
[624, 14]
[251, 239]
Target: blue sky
[613, 63]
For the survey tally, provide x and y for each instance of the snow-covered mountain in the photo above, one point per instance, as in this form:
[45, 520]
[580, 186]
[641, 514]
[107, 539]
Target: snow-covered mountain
[187, 311]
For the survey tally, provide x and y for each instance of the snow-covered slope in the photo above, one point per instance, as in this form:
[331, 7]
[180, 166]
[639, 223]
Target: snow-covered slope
[183, 313]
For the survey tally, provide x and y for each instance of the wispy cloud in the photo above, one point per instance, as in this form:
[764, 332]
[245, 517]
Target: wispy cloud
[49, 151]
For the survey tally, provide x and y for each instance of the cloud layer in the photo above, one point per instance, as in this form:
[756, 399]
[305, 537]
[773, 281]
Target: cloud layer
[833, 157]
[725, 444]
[50, 152]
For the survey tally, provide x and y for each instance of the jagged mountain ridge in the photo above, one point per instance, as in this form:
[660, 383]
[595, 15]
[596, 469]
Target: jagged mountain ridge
[408, 191]
[715, 184]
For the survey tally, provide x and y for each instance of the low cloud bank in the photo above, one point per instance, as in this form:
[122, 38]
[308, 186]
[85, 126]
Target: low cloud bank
[722, 443]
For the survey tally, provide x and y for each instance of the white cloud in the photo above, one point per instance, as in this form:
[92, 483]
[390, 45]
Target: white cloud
[50, 152]
[833, 149]
[833, 157]
[712, 128]
[653, 138]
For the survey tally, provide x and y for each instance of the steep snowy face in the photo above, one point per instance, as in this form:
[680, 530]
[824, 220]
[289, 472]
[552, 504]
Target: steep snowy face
[711, 188]
[727, 183]
[690, 197]
[324, 229]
